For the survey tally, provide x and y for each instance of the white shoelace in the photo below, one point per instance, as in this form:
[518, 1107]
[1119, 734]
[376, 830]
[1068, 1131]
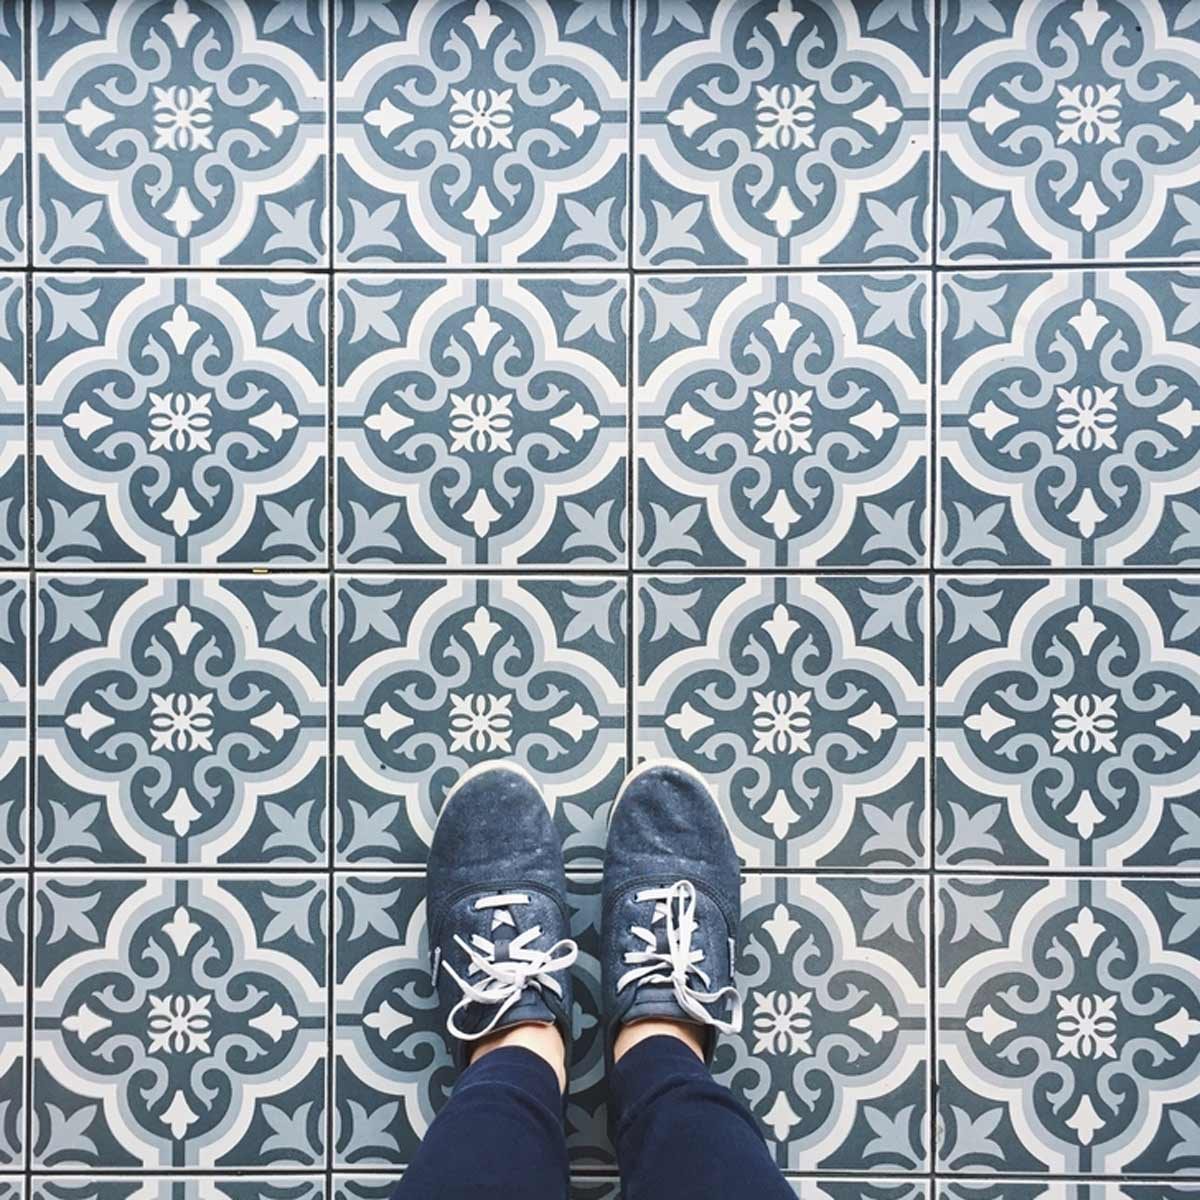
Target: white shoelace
[505, 980]
[675, 906]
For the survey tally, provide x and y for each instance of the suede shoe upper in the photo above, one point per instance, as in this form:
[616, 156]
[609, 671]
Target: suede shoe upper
[497, 910]
[671, 905]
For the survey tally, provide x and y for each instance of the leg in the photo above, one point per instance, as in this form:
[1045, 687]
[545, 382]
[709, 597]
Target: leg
[679, 1133]
[501, 1135]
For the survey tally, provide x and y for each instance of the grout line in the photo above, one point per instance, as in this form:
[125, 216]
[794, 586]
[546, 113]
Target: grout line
[332, 11]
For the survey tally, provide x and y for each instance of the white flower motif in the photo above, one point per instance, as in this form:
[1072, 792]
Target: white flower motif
[781, 722]
[481, 118]
[1089, 113]
[1085, 723]
[783, 421]
[182, 118]
[181, 721]
[179, 1024]
[480, 722]
[785, 116]
[782, 1022]
[480, 422]
[1087, 418]
[1087, 1027]
[180, 421]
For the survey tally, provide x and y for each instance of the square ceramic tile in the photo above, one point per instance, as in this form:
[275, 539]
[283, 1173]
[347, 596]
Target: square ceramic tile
[188, 134]
[1069, 425]
[182, 720]
[149, 1187]
[12, 133]
[181, 419]
[470, 132]
[1069, 1026]
[1069, 131]
[784, 134]
[803, 701]
[13, 917]
[482, 421]
[14, 718]
[13, 422]
[782, 420]
[1068, 722]
[1044, 1189]
[179, 1021]
[434, 676]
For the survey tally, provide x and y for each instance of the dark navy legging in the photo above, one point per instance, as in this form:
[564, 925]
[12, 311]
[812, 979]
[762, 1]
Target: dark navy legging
[678, 1133]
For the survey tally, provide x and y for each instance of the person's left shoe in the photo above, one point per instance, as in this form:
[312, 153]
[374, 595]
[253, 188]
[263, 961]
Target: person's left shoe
[499, 924]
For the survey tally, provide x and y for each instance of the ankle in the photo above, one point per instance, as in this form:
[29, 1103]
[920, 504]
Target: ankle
[541, 1037]
[630, 1035]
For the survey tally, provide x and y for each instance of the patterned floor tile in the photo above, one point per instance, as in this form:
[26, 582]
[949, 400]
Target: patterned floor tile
[181, 419]
[180, 1021]
[12, 132]
[13, 917]
[1069, 1026]
[782, 420]
[12, 420]
[14, 729]
[437, 675]
[1069, 130]
[783, 133]
[1022, 1189]
[1069, 428]
[1068, 722]
[481, 421]
[143, 1187]
[482, 132]
[191, 133]
[182, 720]
[803, 701]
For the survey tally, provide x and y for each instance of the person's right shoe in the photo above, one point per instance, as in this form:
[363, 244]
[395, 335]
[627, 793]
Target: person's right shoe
[671, 906]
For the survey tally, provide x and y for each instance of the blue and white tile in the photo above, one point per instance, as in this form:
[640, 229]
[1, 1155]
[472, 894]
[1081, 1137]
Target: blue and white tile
[182, 720]
[482, 133]
[179, 1021]
[162, 1187]
[189, 134]
[802, 701]
[13, 976]
[14, 718]
[1069, 1026]
[436, 675]
[181, 419]
[782, 420]
[1050, 1189]
[12, 132]
[1069, 426]
[13, 421]
[12, 1187]
[1069, 131]
[1068, 722]
[783, 134]
[482, 421]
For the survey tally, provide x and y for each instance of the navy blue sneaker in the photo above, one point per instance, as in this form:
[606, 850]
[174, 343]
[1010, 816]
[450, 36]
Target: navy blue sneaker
[497, 909]
[672, 903]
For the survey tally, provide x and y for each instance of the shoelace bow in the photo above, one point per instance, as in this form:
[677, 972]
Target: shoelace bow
[676, 905]
[505, 979]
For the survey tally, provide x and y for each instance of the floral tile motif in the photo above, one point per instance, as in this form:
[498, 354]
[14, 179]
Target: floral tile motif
[182, 720]
[782, 421]
[1045, 1189]
[150, 1187]
[782, 133]
[803, 701]
[435, 676]
[13, 916]
[14, 708]
[186, 133]
[481, 421]
[181, 419]
[1070, 130]
[1068, 722]
[1069, 427]
[1069, 1026]
[180, 1021]
[12, 420]
[12, 132]
[475, 132]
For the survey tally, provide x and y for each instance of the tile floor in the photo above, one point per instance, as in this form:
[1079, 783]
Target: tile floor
[389, 385]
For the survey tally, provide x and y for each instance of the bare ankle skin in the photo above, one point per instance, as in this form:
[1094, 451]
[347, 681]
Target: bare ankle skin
[629, 1035]
[540, 1037]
